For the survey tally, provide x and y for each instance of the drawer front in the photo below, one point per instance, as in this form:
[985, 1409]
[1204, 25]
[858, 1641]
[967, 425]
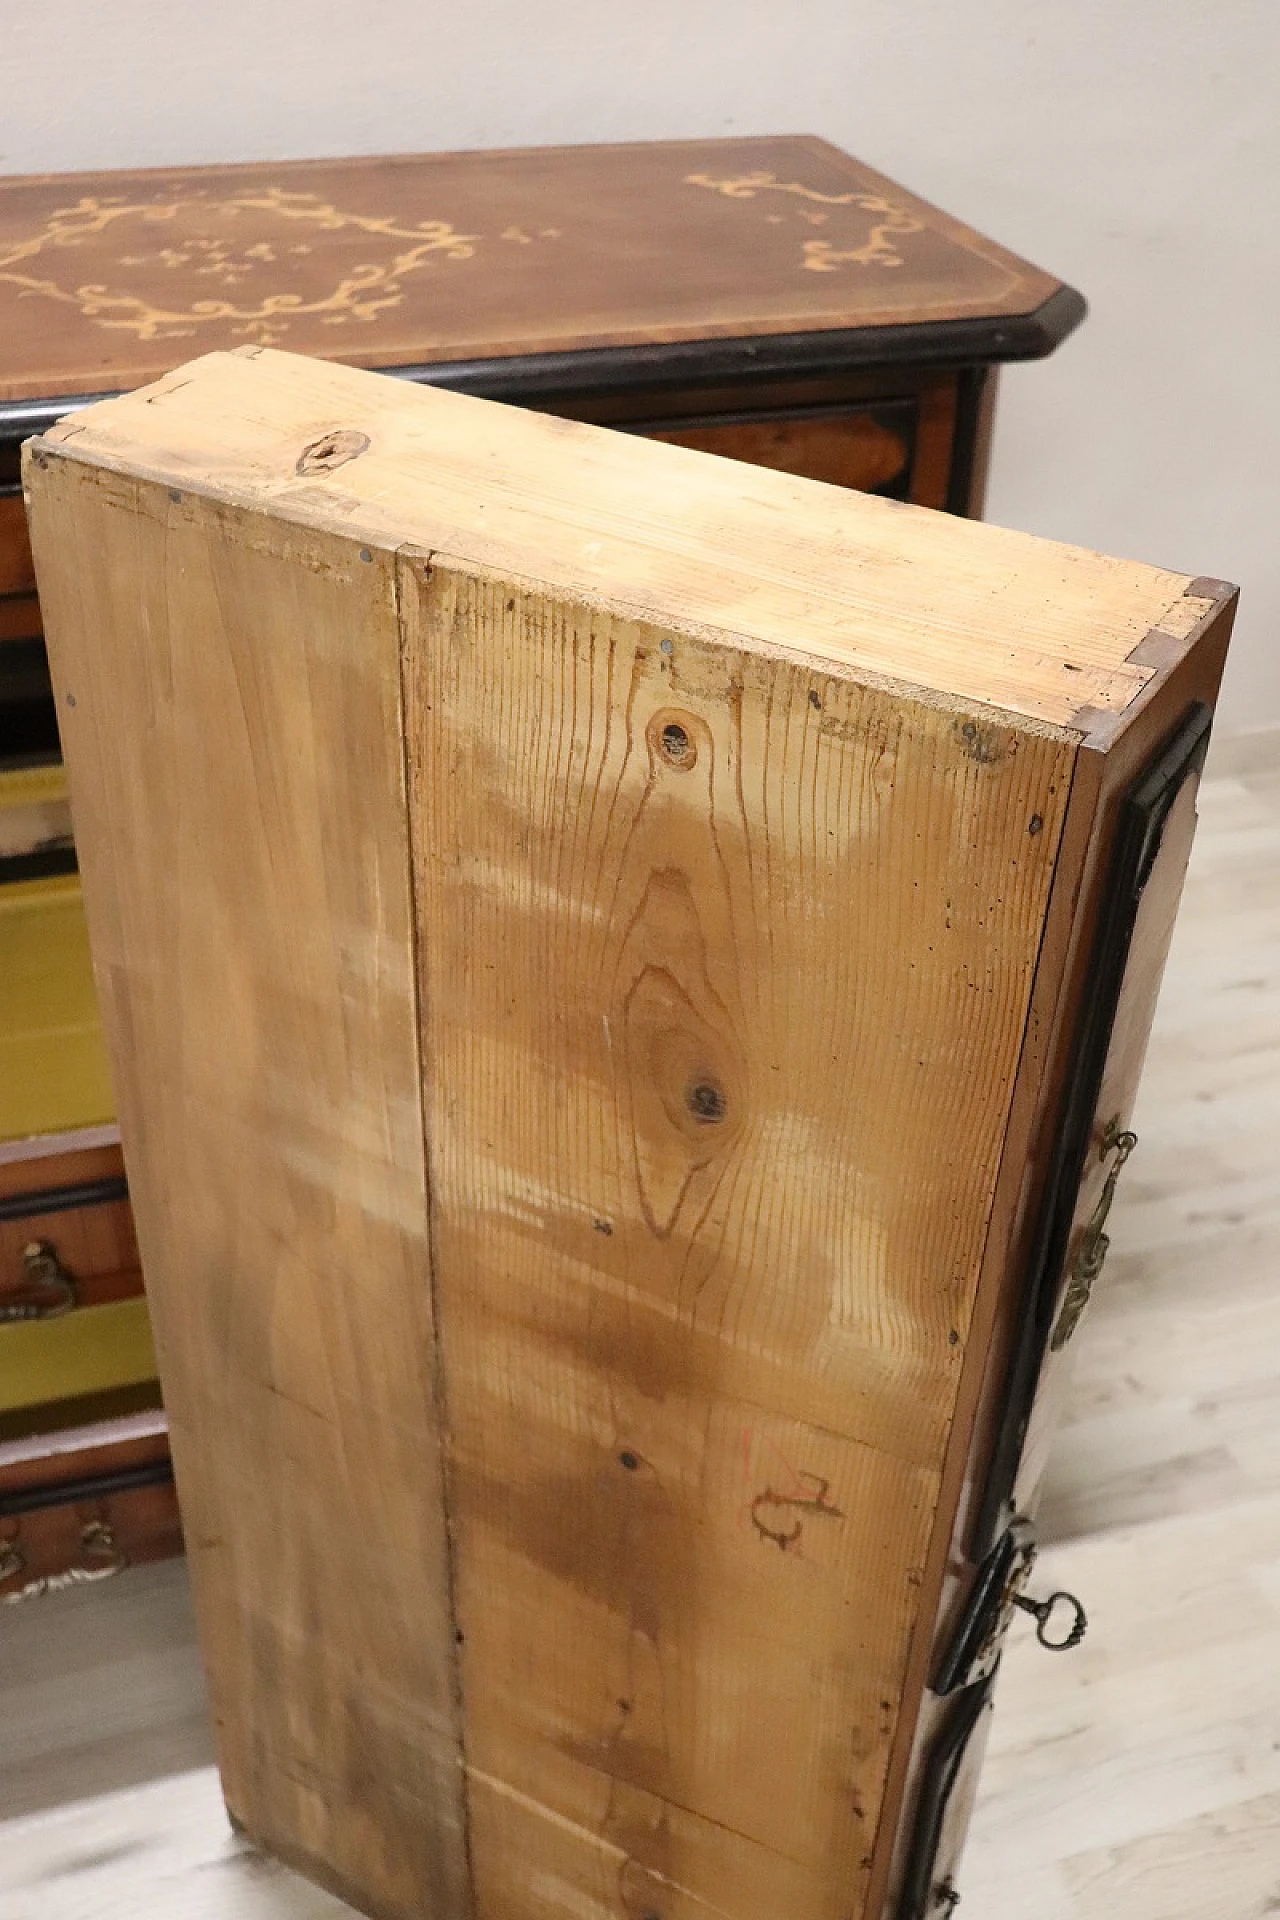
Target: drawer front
[76, 1515]
[35, 821]
[1142, 889]
[19, 617]
[17, 570]
[91, 1350]
[871, 448]
[948, 1787]
[86, 1226]
[53, 1062]
[28, 713]
[72, 1320]
[1110, 1142]
[1094, 1142]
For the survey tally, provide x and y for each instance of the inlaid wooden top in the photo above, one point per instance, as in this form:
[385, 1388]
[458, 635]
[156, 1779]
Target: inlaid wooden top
[108, 279]
[947, 610]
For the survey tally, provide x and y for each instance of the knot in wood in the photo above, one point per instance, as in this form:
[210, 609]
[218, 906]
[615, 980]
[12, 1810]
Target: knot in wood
[331, 450]
[706, 1102]
[673, 739]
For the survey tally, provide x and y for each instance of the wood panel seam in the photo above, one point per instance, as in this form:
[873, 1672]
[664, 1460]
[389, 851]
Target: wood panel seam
[439, 1393]
[543, 1810]
[925, 1629]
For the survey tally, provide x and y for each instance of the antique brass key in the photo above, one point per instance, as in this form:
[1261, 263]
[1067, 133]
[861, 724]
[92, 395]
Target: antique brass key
[1094, 1242]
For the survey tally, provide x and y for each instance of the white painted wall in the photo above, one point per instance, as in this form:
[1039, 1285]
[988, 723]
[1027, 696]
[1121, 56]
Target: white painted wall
[1133, 149]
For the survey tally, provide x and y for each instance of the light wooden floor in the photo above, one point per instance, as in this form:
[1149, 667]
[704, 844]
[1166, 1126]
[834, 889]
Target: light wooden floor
[1138, 1777]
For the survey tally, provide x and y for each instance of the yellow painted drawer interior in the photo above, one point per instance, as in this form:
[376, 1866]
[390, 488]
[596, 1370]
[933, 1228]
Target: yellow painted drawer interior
[53, 1064]
[92, 1350]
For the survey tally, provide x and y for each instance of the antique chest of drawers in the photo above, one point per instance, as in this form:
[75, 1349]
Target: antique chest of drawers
[772, 300]
[626, 976]
[85, 1479]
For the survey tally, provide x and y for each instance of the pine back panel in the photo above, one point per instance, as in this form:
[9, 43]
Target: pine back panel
[714, 1107]
[240, 819]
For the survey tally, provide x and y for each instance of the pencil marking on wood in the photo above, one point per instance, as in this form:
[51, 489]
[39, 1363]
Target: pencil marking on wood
[780, 1517]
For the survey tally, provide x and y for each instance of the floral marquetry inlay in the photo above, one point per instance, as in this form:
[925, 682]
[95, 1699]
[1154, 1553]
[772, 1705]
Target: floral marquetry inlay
[417, 261]
[195, 234]
[874, 244]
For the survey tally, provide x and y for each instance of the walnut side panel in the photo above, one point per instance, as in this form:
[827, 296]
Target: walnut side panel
[229, 691]
[726, 967]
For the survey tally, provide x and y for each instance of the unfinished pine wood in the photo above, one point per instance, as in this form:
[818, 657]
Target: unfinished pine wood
[715, 1112]
[253, 952]
[597, 1081]
[1147, 1783]
[867, 587]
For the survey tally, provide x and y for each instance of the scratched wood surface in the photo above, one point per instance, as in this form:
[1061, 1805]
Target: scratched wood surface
[242, 823]
[920, 602]
[715, 1110]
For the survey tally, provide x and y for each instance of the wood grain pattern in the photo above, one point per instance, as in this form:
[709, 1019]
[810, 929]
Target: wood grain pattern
[715, 1115]
[852, 449]
[912, 402]
[257, 985]
[868, 587]
[108, 279]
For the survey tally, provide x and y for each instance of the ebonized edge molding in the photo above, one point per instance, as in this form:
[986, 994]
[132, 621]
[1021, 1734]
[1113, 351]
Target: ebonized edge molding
[70, 1493]
[527, 378]
[1143, 813]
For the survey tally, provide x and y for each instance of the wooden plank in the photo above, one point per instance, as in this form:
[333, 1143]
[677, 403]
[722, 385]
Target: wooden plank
[715, 1112]
[249, 899]
[921, 603]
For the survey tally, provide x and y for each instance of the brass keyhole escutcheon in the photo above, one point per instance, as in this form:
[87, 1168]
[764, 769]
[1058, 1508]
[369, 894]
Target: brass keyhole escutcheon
[1094, 1241]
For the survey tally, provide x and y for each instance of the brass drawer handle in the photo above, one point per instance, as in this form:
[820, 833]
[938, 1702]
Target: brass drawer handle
[97, 1543]
[44, 1277]
[1094, 1242]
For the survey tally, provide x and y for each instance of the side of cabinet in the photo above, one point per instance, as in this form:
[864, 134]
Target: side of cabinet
[1120, 872]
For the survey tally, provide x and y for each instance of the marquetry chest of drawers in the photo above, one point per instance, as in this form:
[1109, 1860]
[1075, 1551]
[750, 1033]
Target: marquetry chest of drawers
[626, 976]
[771, 300]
